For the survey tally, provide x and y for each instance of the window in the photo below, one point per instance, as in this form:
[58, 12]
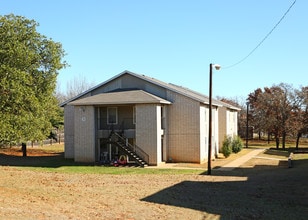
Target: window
[112, 115]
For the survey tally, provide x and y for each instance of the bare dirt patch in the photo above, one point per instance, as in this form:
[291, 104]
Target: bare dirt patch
[258, 190]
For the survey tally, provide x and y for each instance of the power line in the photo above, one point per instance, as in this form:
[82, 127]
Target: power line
[266, 36]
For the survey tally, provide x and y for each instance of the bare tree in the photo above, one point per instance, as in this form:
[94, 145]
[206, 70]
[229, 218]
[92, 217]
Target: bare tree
[74, 87]
[60, 96]
[77, 85]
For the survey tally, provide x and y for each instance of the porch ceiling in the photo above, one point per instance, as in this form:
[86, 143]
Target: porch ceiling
[122, 97]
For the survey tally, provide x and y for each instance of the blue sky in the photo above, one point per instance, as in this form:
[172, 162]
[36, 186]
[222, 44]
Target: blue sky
[176, 40]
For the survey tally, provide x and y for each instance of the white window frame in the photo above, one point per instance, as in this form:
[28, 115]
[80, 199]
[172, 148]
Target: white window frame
[116, 116]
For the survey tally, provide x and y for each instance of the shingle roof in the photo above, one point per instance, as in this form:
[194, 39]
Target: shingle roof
[178, 89]
[121, 97]
[229, 105]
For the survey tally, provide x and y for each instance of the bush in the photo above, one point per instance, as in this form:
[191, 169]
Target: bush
[227, 147]
[237, 144]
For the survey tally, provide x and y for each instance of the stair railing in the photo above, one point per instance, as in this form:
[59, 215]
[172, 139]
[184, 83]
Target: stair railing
[134, 148]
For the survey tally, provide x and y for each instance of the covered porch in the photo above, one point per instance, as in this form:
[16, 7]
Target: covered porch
[136, 116]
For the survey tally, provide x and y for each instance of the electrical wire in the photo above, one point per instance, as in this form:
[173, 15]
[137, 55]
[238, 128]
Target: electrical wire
[261, 42]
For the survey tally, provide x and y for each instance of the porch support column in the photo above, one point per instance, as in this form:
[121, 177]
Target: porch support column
[148, 131]
[84, 130]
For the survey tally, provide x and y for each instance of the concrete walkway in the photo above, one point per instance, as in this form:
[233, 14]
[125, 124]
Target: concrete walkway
[241, 160]
[227, 167]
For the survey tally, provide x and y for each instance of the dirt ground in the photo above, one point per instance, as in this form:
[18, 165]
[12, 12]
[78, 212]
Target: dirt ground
[263, 188]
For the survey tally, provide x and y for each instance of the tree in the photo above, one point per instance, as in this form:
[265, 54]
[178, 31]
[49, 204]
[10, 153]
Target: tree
[257, 112]
[300, 113]
[77, 85]
[29, 65]
[74, 87]
[272, 109]
[282, 107]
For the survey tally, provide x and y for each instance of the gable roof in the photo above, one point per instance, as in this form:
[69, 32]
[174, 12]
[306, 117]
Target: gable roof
[229, 105]
[121, 97]
[175, 88]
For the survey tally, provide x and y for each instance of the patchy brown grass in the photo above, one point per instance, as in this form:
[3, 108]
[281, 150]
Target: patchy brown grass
[262, 188]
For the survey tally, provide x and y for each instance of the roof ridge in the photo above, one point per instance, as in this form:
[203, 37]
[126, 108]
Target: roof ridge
[170, 86]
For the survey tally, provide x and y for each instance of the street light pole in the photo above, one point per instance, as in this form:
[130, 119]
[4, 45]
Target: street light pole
[247, 103]
[209, 167]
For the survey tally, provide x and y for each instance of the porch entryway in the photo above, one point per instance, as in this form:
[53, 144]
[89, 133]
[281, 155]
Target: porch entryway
[117, 150]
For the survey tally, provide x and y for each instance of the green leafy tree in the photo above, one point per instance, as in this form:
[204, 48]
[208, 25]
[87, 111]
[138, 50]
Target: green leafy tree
[29, 65]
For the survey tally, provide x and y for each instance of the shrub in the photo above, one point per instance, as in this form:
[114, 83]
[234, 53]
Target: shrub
[237, 144]
[227, 146]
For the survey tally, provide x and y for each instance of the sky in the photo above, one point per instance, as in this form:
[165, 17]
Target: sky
[176, 40]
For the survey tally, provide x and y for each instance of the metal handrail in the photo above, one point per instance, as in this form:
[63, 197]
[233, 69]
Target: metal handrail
[141, 153]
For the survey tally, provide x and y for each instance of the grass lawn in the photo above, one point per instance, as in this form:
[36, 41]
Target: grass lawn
[50, 158]
[44, 185]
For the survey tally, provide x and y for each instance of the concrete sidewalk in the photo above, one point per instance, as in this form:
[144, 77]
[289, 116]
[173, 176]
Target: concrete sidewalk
[227, 167]
[239, 161]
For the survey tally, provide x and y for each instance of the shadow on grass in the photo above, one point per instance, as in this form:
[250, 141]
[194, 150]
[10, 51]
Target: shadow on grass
[275, 152]
[53, 160]
[267, 192]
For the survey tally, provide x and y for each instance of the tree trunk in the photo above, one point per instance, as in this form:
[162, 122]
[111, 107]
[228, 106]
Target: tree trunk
[268, 137]
[59, 135]
[283, 139]
[24, 149]
[297, 139]
[277, 141]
